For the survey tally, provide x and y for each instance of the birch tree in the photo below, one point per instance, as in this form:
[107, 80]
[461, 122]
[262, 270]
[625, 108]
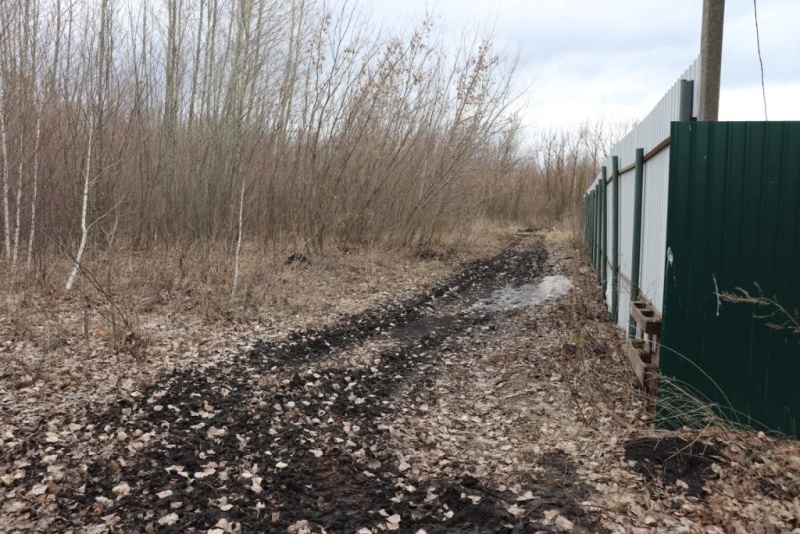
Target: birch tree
[98, 58]
[88, 182]
[6, 185]
[244, 70]
[7, 54]
[18, 199]
[34, 186]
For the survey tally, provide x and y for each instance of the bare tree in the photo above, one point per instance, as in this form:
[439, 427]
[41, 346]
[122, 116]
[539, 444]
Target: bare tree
[256, 120]
[35, 186]
[6, 185]
[172, 92]
[88, 182]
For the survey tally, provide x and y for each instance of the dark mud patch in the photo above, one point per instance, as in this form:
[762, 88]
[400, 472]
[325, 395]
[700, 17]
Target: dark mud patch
[673, 458]
[560, 481]
[313, 449]
[556, 486]
[477, 279]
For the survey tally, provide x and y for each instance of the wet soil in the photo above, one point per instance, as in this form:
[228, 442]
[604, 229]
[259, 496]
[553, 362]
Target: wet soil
[291, 437]
[673, 458]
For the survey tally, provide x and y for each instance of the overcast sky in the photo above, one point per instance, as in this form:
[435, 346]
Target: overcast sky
[613, 60]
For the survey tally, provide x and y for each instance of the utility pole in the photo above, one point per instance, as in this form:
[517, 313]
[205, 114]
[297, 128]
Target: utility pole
[711, 59]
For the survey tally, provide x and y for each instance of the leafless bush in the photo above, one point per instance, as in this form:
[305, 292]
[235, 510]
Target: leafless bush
[778, 317]
[187, 121]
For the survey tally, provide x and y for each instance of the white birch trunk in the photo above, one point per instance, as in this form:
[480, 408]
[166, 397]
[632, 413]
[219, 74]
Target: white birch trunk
[18, 207]
[4, 141]
[87, 183]
[35, 187]
[239, 238]
[195, 68]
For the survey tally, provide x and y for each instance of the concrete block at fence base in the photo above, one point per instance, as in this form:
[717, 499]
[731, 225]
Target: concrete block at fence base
[642, 362]
[646, 318]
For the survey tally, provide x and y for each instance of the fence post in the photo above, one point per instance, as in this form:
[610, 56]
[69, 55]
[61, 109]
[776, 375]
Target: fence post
[586, 204]
[637, 234]
[615, 241]
[603, 229]
[597, 232]
[593, 217]
[588, 225]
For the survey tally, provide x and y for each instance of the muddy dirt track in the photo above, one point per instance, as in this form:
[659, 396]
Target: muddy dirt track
[309, 434]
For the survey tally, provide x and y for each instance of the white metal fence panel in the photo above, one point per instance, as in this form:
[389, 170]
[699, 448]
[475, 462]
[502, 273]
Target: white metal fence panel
[652, 135]
[626, 189]
[654, 128]
[654, 228]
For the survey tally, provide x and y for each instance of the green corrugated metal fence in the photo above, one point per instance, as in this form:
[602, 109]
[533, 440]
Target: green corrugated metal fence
[593, 219]
[734, 224]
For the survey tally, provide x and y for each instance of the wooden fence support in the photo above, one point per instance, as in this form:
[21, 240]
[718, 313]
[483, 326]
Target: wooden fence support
[637, 234]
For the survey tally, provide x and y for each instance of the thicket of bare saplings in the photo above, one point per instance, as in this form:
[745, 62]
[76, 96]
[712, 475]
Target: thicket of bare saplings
[167, 122]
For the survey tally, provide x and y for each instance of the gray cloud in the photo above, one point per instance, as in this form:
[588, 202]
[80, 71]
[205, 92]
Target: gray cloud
[622, 55]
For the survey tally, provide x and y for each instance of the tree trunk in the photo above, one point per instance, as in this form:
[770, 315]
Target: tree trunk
[35, 187]
[87, 184]
[239, 238]
[18, 206]
[4, 142]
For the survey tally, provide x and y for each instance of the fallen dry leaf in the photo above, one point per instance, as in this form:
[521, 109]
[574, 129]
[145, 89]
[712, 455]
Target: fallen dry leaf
[169, 519]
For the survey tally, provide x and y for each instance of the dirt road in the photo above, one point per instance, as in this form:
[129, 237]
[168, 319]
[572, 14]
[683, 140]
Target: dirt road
[430, 414]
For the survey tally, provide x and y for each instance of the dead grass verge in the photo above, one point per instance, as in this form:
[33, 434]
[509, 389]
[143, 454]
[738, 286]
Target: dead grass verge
[749, 482]
[173, 308]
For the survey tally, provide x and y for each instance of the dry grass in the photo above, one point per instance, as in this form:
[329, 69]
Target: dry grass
[777, 317]
[151, 312]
